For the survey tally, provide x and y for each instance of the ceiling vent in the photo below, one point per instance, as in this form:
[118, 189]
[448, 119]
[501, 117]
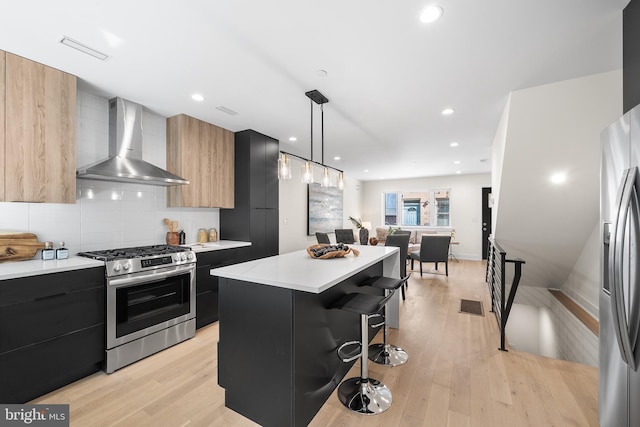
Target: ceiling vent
[227, 110]
[84, 48]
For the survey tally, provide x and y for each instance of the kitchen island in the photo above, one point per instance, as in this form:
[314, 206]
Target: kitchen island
[278, 337]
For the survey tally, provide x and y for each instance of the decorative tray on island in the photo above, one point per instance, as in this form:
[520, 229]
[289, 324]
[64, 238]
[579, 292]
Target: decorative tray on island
[328, 251]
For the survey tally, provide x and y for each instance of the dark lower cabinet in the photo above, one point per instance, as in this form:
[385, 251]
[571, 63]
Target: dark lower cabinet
[51, 331]
[207, 285]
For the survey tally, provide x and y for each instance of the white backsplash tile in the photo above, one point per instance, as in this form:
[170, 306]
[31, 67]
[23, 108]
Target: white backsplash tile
[14, 216]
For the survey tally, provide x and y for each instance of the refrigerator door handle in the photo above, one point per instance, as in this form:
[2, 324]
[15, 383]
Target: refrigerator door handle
[618, 307]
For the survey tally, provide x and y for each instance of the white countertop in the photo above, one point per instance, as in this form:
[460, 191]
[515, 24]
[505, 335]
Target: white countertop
[34, 267]
[216, 246]
[298, 271]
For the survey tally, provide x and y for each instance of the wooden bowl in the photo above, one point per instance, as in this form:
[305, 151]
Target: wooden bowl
[373, 241]
[334, 254]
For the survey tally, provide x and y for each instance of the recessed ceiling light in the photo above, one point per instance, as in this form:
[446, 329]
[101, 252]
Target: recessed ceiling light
[456, 162]
[458, 172]
[322, 73]
[293, 139]
[197, 97]
[447, 111]
[431, 13]
[558, 178]
[366, 170]
[336, 158]
[453, 144]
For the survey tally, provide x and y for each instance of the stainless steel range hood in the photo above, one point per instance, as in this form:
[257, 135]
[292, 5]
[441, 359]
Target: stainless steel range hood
[125, 162]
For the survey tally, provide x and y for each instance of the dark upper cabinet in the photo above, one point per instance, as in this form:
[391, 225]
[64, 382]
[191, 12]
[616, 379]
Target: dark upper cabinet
[255, 216]
[272, 149]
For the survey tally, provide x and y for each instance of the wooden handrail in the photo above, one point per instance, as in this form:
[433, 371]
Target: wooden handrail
[580, 313]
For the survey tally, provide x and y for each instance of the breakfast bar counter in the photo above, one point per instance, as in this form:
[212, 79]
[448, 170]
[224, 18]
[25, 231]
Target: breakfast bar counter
[278, 337]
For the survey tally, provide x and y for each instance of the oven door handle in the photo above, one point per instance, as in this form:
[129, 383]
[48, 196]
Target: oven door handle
[150, 277]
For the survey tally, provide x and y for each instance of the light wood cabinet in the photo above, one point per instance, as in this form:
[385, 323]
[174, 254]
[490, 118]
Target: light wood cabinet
[2, 109]
[202, 153]
[40, 127]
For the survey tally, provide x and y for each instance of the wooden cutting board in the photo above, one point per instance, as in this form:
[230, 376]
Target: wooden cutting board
[15, 246]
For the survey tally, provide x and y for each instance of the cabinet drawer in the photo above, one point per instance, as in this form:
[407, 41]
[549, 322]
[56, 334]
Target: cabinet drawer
[24, 289]
[38, 369]
[47, 317]
[218, 258]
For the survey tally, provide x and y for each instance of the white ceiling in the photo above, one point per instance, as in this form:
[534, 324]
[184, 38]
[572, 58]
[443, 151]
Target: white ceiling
[389, 75]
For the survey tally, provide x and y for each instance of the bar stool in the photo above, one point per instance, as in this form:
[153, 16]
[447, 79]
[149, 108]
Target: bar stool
[362, 394]
[385, 353]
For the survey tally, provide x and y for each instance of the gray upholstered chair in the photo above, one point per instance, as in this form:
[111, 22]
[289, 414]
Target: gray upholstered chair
[322, 237]
[345, 235]
[433, 248]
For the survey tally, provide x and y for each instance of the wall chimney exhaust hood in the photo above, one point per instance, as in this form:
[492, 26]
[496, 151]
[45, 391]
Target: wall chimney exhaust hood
[125, 162]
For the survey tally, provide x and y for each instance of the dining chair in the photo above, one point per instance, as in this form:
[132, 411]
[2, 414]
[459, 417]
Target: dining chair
[322, 237]
[401, 241]
[433, 248]
[345, 235]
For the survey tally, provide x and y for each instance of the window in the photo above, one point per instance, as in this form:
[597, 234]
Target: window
[417, 209]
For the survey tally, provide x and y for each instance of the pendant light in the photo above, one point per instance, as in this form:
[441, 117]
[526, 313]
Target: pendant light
[340, 182]
[284, 168]
[326, 179]
[307, 173]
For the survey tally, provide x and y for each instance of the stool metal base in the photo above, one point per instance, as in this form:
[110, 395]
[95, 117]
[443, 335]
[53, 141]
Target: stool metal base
[367, 397]
[387, 354]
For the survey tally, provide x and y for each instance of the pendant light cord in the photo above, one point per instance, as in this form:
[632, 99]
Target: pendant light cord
[322, 130]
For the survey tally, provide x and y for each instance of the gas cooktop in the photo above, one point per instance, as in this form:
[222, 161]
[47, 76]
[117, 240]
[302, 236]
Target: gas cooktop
[142, 258]
[133, 253]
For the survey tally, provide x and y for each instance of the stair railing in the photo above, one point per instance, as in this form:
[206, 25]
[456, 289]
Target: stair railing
[496, 280]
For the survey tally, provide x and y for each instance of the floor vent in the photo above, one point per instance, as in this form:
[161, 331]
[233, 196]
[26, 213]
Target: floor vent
[471, 307]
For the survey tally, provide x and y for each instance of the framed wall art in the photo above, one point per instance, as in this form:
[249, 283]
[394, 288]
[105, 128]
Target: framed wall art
[324, 209]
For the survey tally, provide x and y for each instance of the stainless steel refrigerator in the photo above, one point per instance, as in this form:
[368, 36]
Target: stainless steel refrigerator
[619, 377]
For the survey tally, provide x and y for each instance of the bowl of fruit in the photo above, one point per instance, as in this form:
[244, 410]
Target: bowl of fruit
[329, 251]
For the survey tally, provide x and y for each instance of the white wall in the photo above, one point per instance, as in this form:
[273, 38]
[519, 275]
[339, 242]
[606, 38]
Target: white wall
[465, 205]
[107, 214]
[499, 141]
[540, 324]
[554, 128]
[583, 283]
[293, 207]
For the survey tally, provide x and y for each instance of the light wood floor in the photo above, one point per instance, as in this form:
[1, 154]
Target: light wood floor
[455, 375]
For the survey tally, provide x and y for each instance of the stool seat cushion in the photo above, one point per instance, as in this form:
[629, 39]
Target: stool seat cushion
[382, 282]
[360, 303]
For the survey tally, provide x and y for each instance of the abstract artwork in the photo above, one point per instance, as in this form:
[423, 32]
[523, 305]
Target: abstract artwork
[324, 209]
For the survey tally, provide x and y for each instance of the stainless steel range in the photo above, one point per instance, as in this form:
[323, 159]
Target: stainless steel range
[150, 300]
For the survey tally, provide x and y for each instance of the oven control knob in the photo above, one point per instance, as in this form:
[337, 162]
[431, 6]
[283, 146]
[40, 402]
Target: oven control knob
[117, 267]
[183, 257]
[127, 265]
[189, 256]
